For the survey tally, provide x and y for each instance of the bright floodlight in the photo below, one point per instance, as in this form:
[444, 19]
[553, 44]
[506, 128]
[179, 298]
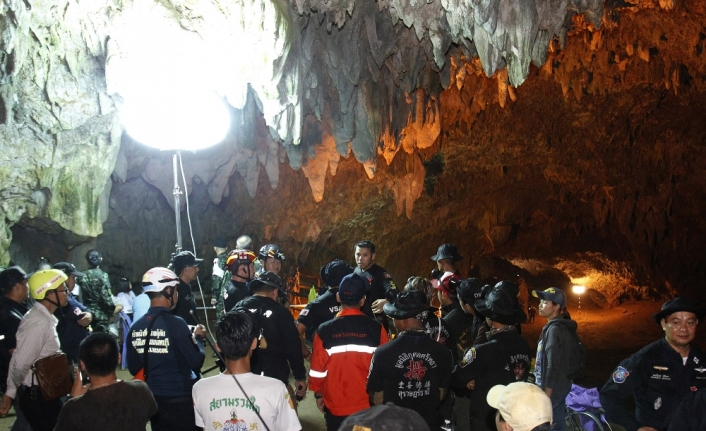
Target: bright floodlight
[578, 289]
[176, 119]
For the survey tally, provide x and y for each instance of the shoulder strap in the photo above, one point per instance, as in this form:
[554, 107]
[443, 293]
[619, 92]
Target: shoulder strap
[147, 342]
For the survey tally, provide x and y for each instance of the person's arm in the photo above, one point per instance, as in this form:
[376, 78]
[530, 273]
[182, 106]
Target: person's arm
[623, 383]
[134, 359]
[302, 335]
[471, 366]
[286, 418]
[319, 366]
[294, 354]
[190, 346]
[376, 378]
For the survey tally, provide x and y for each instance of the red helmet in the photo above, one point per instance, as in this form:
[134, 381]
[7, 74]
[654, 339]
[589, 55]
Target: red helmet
[239, 257]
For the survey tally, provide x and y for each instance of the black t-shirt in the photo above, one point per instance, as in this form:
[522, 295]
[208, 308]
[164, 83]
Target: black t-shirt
[70, 332]
[380, 283]
[409, 371]
[186, 305]
[504, 359]
[280, 346]
[234, 292]
[322, 309]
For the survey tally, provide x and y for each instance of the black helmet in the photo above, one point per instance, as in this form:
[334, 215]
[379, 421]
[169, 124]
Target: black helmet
[94, 257]
[470, 290]
[502, 305]
[270, 250]
[334, 271]
[269, 278]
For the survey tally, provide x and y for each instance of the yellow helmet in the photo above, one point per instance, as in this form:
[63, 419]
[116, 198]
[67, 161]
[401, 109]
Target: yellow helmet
[42, 282]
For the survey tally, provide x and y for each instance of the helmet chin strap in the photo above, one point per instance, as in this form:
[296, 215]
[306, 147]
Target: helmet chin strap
[250, 275]
[170, 295]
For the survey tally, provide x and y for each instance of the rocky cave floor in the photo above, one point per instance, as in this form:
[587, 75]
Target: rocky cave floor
[609, 335]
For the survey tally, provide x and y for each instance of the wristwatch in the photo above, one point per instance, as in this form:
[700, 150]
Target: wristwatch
[317, 396]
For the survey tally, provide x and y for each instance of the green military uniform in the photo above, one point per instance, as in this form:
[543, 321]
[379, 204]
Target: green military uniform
[218, 278]
[97, 296]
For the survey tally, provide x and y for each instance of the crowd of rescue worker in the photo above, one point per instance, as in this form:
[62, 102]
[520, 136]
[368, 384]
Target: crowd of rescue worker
[439, 353]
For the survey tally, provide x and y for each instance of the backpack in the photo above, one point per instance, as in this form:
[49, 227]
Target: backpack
[577, 354]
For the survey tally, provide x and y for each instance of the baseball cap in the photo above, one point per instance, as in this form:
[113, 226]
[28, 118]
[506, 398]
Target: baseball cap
[68, 269]
[184, 259]
[387, 417]
[523, 405]
[10, 277]
[352, 288]
[553, 294]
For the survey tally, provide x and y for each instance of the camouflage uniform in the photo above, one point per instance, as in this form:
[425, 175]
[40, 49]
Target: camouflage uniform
[97, 296]
[218, 275]
[218, 292]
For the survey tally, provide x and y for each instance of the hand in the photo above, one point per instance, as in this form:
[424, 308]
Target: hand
[301, 388]
[320, 404]
[213, 301]
[377, 305]
[78, 388]
[471, 385]
[86, 319]
[6, 404]
[200, 330]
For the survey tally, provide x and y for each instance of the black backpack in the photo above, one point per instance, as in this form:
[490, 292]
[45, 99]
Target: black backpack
[577, 353]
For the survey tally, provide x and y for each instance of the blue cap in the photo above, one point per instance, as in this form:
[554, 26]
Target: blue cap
[352, 288]
[551, 294]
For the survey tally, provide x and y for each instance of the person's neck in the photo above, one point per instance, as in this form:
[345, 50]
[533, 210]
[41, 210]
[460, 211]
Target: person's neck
[683, 350]
[102, 381]
[17, 298]
[368, 267]
[238, 366]
[48, 305]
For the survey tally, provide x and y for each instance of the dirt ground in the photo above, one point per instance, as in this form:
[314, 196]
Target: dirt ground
[609, 336]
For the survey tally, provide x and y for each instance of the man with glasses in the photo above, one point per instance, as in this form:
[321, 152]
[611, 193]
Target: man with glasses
[660, 375]
[36, 339]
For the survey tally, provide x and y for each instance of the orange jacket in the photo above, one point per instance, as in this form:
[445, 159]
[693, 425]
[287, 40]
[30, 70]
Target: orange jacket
[343, 348]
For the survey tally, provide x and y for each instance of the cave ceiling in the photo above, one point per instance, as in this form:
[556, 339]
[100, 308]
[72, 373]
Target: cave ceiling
[566, 133]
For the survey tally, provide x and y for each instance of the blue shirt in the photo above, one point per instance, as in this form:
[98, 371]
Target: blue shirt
[140, 306]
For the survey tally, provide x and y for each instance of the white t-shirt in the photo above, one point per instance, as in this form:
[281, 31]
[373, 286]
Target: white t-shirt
[219, 404]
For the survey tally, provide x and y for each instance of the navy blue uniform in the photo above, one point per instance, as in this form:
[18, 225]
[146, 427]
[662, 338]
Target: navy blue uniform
[658, 379]
[174, 355]
[320, 310]
[70, 332]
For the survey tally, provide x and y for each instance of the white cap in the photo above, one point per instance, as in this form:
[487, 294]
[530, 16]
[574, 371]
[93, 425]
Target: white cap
[523, 405]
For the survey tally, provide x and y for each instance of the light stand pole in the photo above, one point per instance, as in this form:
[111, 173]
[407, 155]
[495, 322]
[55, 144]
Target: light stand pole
[177, 203]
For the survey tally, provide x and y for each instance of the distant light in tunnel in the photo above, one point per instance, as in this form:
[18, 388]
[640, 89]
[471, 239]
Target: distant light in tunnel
[578, 289]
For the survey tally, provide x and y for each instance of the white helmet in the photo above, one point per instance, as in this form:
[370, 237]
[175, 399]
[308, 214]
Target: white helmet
[157, 279]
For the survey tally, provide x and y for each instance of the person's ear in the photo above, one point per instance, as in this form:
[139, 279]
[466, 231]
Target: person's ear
[83, 366]
[663, 322]
[253, 346]
[120, 358]
[372, 256]
[361, 302]
[338, 298]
